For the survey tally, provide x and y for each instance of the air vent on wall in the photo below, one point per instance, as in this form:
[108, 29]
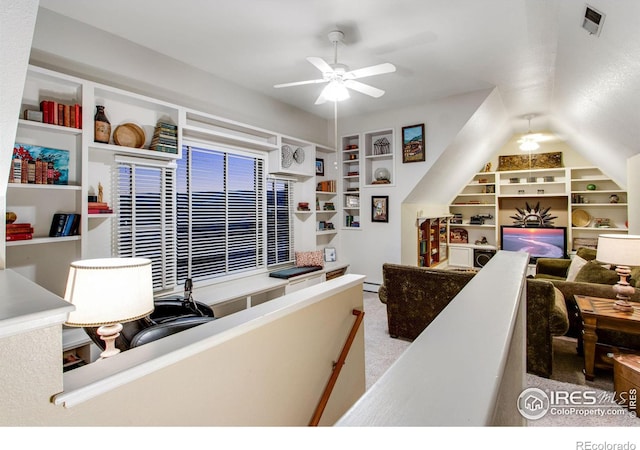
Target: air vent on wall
[592, 21]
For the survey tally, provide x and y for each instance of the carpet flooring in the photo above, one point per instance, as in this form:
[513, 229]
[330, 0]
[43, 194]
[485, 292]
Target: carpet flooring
[381, 351]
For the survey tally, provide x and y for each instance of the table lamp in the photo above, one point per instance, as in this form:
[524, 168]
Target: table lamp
[107, 292]
[622, 251]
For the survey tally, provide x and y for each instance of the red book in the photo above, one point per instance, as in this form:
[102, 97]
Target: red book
[19, 237]
[17, 226]
[44, 107]
[67, 116]
[19, 231]
[54, 112]
[78, 123]
[60, 114]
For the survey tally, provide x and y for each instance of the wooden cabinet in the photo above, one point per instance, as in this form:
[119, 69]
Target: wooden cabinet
[432, 241]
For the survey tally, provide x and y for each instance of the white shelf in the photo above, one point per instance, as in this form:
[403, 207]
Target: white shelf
[143, 152]
[43, 240]
[62, 187]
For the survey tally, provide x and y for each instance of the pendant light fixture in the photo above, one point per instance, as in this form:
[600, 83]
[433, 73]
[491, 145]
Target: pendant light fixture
[528, 142]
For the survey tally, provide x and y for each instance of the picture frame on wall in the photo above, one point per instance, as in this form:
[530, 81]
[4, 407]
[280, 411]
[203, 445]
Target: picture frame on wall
[320, 167]
[379, 208]
[329, 254]
[413, 147]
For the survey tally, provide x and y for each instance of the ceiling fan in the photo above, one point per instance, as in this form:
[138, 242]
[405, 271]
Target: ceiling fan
[339, 78]
[531, 141]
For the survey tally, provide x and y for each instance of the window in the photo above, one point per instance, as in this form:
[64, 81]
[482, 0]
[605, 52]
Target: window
[279, 223]
[146, 212]
[220, 213]
[211, 214]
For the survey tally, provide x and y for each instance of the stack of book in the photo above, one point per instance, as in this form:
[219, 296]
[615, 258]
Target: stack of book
[57, 114]
[165, 138]
[326, 186]
[19, 231]
[99, 208]
[64, 224]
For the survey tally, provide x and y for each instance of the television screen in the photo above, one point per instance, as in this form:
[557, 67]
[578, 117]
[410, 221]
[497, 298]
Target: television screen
[538, 242]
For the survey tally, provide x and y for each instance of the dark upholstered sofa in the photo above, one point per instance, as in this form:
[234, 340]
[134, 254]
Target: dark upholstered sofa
[415, 296]
[591, 280]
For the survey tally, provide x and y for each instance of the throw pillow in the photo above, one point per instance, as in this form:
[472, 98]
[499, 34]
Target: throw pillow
[592, 272]
[306, 259]
[587, 253]
[576, 264]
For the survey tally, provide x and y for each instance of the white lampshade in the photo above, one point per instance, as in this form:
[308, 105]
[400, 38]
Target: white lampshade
[335, 91]
[109, 290]
[623, 249]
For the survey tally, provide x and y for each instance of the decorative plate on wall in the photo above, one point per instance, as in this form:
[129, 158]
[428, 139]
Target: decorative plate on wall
[298, 155]
[287, 156]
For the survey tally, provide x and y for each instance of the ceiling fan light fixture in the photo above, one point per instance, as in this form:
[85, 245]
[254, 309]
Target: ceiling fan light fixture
[528, 145]
[335, 91]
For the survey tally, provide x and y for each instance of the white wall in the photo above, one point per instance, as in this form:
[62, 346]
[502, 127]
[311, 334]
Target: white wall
[633, 194]
[69, 46]
[375, 243]
[17, 20]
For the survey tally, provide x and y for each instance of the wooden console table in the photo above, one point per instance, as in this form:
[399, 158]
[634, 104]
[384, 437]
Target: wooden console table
[599, 314]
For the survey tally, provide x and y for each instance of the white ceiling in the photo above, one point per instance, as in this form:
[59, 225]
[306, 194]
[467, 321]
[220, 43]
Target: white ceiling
[534, 51]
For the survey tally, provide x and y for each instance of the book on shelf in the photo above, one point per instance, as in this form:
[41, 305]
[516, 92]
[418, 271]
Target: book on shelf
[99, 208]
[19, 231]
[64, 224]
[55, 113]
[19, 237]
[18, 228]
[165, 138]
[326, 186]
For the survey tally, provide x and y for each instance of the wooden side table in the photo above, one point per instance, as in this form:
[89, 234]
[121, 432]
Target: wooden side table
[599, 314]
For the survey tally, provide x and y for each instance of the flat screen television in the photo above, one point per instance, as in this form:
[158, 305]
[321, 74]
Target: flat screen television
[537, 242]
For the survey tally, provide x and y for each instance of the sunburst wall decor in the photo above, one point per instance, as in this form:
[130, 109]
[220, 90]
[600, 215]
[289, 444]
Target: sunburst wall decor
[533, 217]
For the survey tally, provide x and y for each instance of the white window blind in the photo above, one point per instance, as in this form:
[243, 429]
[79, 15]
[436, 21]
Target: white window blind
[220, 213]
[146, 215]
[279, 223]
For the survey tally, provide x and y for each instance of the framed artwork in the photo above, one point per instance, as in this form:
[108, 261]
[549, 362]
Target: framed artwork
[59, 158]
[380, 208]
[329, 254]
[413, 143]
[320, 166]
[530, 161]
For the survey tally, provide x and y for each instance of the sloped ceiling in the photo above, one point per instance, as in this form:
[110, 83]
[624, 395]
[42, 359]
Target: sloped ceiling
[534, 52]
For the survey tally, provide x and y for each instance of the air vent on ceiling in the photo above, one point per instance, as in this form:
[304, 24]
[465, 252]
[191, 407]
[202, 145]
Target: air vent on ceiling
[592, 21]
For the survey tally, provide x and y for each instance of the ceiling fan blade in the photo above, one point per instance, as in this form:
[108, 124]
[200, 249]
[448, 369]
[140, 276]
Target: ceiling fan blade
[299, 83]
[370, 71]
[320, 64]
[364, 88]
[321, 99]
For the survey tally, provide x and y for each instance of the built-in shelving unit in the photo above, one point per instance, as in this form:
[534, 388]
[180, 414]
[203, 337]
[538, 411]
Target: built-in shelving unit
[45, 260]
[351, 170]
[490, 199]
[378, 156]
